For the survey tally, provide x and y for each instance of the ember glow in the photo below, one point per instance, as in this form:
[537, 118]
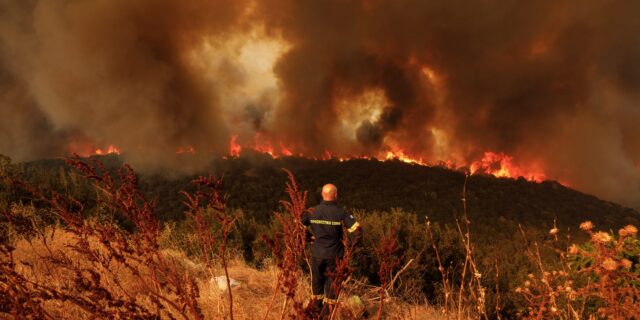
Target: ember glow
[542, 90]
[188, 149]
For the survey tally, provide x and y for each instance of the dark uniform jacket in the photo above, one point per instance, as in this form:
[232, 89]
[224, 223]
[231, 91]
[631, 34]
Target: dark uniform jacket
[326, 222]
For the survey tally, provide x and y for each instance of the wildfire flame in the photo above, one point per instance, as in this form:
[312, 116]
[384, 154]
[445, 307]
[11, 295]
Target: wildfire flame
[400, 155]
[501, 165]
[86, 149]
[493, 163]
[234, 147]
[111, 149]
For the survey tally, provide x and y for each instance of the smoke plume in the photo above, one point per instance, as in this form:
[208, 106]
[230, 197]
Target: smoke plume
[116, 72]
[555, 85]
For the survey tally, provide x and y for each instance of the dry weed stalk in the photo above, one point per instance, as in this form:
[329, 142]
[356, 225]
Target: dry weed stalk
[102, 254]
[288, 246]
[209, 195]
[476, 291]
[342, 273]
[498, 307]
[388, 262]
[446, 286]
[18, 298]
[470, 291]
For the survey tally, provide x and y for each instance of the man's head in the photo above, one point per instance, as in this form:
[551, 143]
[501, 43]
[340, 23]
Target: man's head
[329, 192]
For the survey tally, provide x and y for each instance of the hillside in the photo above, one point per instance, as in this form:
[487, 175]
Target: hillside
[254, 183]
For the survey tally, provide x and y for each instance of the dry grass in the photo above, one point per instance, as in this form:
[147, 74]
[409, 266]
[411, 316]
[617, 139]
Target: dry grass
[251, 299]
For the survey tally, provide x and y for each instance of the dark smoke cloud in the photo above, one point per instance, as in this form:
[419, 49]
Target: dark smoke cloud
[24, 129]
[555, 84]
[552, 83]
[117, 71]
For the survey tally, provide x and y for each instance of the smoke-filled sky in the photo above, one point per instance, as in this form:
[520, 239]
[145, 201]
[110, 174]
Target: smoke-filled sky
[554, 84]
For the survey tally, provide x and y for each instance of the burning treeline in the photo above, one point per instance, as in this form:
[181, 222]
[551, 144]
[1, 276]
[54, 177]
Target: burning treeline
[552, 86]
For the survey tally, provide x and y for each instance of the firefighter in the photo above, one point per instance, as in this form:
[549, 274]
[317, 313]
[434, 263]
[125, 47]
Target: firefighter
[326, 222]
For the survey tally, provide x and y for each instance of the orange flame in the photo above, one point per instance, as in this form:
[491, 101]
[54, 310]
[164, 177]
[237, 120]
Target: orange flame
[494, 163]
[401, 156]
[111, 149]
[501, 165]
[285, 151]
[86, 149]
[234, 147]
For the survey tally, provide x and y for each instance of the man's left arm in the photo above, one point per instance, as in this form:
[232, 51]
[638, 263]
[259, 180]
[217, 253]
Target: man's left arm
[354, 229]
[305, 219]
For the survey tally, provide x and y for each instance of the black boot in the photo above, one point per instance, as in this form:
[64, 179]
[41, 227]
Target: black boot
[314, 309]
[327, 308]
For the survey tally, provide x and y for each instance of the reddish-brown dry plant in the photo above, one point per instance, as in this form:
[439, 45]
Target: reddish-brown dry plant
[388, 262]
[102, 252]
[288, 246]
[103, 245]
[210, 195]
[17, 296]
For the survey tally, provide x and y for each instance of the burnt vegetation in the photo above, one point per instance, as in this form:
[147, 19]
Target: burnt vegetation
[475, 246]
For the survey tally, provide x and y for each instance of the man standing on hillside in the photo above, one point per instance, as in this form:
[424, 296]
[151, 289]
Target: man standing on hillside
[326, 221]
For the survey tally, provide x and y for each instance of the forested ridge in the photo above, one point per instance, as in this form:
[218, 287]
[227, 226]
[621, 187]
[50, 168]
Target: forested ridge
[254, 183]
